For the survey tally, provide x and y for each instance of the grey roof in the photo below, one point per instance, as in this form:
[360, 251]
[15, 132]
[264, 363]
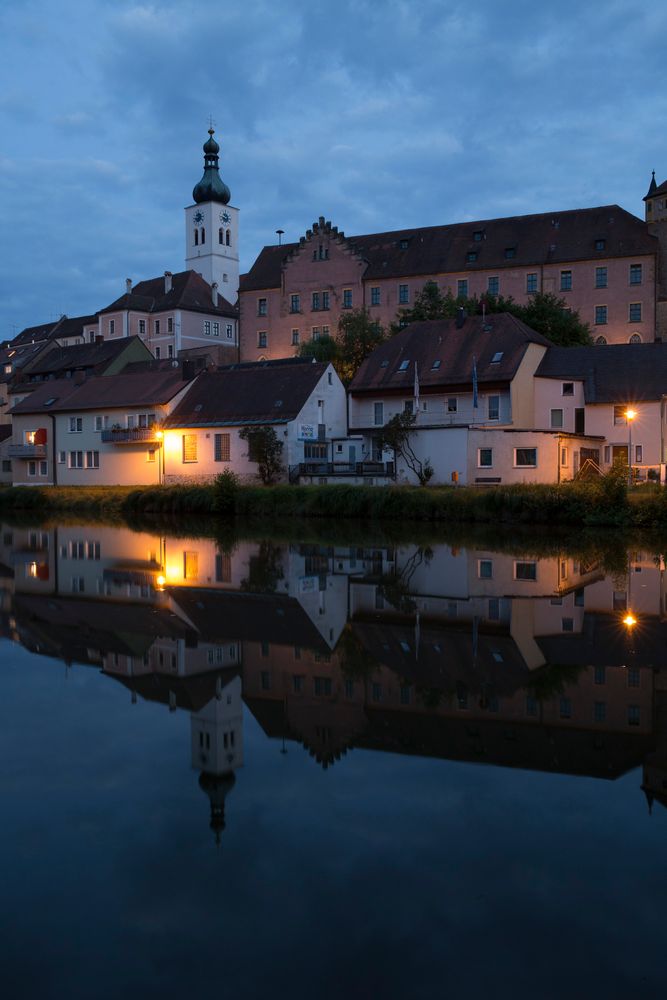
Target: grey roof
[66, 326]
[147, 388]
[81, 356]
[247, 394]
[613, 373]
[500, 335]
[547, 238]
[188, 291]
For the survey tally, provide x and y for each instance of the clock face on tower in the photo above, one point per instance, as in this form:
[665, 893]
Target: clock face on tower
[198, 217]
[224, 217]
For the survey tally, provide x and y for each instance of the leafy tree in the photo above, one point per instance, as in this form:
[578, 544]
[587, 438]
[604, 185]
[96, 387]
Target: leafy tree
[551, 317]
[396, 434]
[265, 449]
[323, 349]
[265, 569]
[358, 336]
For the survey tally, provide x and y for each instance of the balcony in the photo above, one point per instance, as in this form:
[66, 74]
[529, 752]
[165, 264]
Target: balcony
[341, 469]
[132, 435]
[27, 451]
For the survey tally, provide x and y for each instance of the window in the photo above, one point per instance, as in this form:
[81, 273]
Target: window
[478, 235]
[378, 414]
[635, 312]
[375, 296]
[633, 677]
[564, 457]
[92, 459]
[261, 307]
[325, 331]
[112, 327]
[229, 330]
[494, 408]
[101, 423]
[142, 327]
[221, 453]
[600, 341]
[262, 338]
[157, 327]
[315, 301]
[403, 294]
[221, 235]
[295, 303]
[600, 244]
[556, 419]
[619, 414]
[600, 711]
[531, 282]
[76, 425]
[404, 365]
[600, 315]
[315, 451]
[322, 685]
[531, 705]
[600, 277]
[497, 358]
[635, 339]
[633, 715]
[510, 253]
[567, 624]
[207, 327]
[404, 244]
[471, 256]
[462, 288]
[75, 460]
[62, 457]
[190, 565]
[565, 708]
[150, 455]
[525, 571]
[452, 404]
[32, 468]
[525, 458]
[189, 447]
[409, 406]
[170, 351]
[600, 675]
[325, 300]
[485, 458]
[566, 281]
[639, 454]
[347, 298]
[436, 364]
[494, 286]
[315, 333]
[635, 274]
[216, 329]
[223, 567]
[295, 338]
[170, 325]
[228, 237]
[567, 389]
[485, 569]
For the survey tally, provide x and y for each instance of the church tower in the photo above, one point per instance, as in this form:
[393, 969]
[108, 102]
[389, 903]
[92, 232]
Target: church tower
[212, 228]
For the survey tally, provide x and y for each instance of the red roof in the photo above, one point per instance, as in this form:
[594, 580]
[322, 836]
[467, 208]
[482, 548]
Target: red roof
[188, 291]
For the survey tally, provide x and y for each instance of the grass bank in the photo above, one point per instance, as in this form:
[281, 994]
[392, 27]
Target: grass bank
[600, 502]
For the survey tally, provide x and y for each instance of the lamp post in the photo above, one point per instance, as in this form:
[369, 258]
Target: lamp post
[630, 415]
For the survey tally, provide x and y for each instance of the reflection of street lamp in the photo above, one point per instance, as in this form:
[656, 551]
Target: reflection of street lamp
[160, 455]
[630, 415]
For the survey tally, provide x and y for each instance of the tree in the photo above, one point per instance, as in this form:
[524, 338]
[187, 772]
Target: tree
[396, 434]
[551, 316]
[323, 349]
[265, 449]
[358, 336]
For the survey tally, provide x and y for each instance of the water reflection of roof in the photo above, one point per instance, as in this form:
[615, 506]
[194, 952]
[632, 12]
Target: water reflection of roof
[605, 641]
[274, 618]
[191, 693]
[445, 657]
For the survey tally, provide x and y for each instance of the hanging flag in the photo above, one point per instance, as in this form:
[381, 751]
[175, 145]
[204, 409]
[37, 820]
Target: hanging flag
[416, 390]
[475, 401]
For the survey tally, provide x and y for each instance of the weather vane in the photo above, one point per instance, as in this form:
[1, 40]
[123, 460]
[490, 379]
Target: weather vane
[211, 123]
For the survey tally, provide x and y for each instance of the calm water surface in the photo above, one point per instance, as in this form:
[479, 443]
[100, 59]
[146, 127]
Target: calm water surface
[322, 770]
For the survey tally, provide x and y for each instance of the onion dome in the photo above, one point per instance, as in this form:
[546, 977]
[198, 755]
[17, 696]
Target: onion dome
[211, 187]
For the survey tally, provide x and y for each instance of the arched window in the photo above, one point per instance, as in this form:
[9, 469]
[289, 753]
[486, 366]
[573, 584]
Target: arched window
[227, 239]
[600, 341]
[196, 237]
[203, 235]
[220, 235]
[635, 339]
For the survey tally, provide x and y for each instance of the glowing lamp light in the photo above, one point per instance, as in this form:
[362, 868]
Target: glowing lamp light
[160, 581]
[630, 414]
[629, 621]
[159, 435]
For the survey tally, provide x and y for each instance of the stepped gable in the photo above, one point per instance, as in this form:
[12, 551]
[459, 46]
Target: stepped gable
[455, 346]
[253, 393]
[615, 373]
[516, 241]
[188, 291]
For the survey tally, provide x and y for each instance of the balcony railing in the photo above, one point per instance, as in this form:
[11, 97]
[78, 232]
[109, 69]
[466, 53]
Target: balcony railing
[341, 469]
[27, 451]
[130, 435]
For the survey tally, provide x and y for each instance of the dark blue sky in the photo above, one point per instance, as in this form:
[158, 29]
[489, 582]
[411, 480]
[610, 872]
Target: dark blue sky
[377, 115]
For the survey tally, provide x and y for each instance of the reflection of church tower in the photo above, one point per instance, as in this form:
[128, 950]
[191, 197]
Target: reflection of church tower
[217, 748]
[212, 228]
[655, 214]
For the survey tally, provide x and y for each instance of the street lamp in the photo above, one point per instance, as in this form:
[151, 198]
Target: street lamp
[630, 415]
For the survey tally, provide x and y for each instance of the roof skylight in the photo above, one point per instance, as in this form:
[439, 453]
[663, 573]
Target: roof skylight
[404, 365]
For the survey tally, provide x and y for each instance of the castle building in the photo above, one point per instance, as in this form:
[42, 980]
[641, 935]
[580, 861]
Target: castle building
[603, 262]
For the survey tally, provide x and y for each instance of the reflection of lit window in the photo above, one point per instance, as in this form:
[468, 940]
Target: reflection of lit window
[190, 565]
[32, 570]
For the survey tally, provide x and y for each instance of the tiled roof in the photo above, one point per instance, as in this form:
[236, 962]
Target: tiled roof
[5, 431]
[18, 357]
[78, 356]
[500, 336]
[188, 291]
[66, 326]
[250, 393]
[531, 240]
[146, 388]
[614, 373]
[658, 190]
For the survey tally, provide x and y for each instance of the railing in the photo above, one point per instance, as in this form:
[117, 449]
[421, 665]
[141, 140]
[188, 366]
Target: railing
[130, 435]
[27, 451]
[340, 469]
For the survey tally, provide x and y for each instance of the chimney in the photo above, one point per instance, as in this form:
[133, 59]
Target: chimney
[461, 317]
[167, 282]
[214, 293]
[188, 369]
[79, 376]
[128, 285]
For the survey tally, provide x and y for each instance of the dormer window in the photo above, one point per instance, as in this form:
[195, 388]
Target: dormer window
[478, 235]
[404, 365]
[403, 244]
[384, 363]
[510, 253]
[436, 364]
[600, 244]
[471, 256]
[497, 358]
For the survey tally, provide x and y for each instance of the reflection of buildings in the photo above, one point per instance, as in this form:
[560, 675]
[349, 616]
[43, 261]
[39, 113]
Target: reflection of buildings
[464, 654]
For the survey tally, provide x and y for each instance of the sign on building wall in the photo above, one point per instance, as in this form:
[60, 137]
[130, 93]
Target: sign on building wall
[307, 432]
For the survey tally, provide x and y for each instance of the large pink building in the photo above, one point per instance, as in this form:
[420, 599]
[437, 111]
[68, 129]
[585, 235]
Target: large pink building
[602, 261]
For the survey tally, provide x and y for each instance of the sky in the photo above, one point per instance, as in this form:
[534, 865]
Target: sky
[377, 114]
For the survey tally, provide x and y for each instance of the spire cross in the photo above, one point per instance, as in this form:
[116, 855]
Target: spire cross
[211, 123]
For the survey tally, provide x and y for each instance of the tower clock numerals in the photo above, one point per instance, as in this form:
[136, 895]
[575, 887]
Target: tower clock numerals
[198, 218]
[225, 217]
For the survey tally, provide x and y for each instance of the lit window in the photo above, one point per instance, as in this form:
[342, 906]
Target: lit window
[189, 447]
